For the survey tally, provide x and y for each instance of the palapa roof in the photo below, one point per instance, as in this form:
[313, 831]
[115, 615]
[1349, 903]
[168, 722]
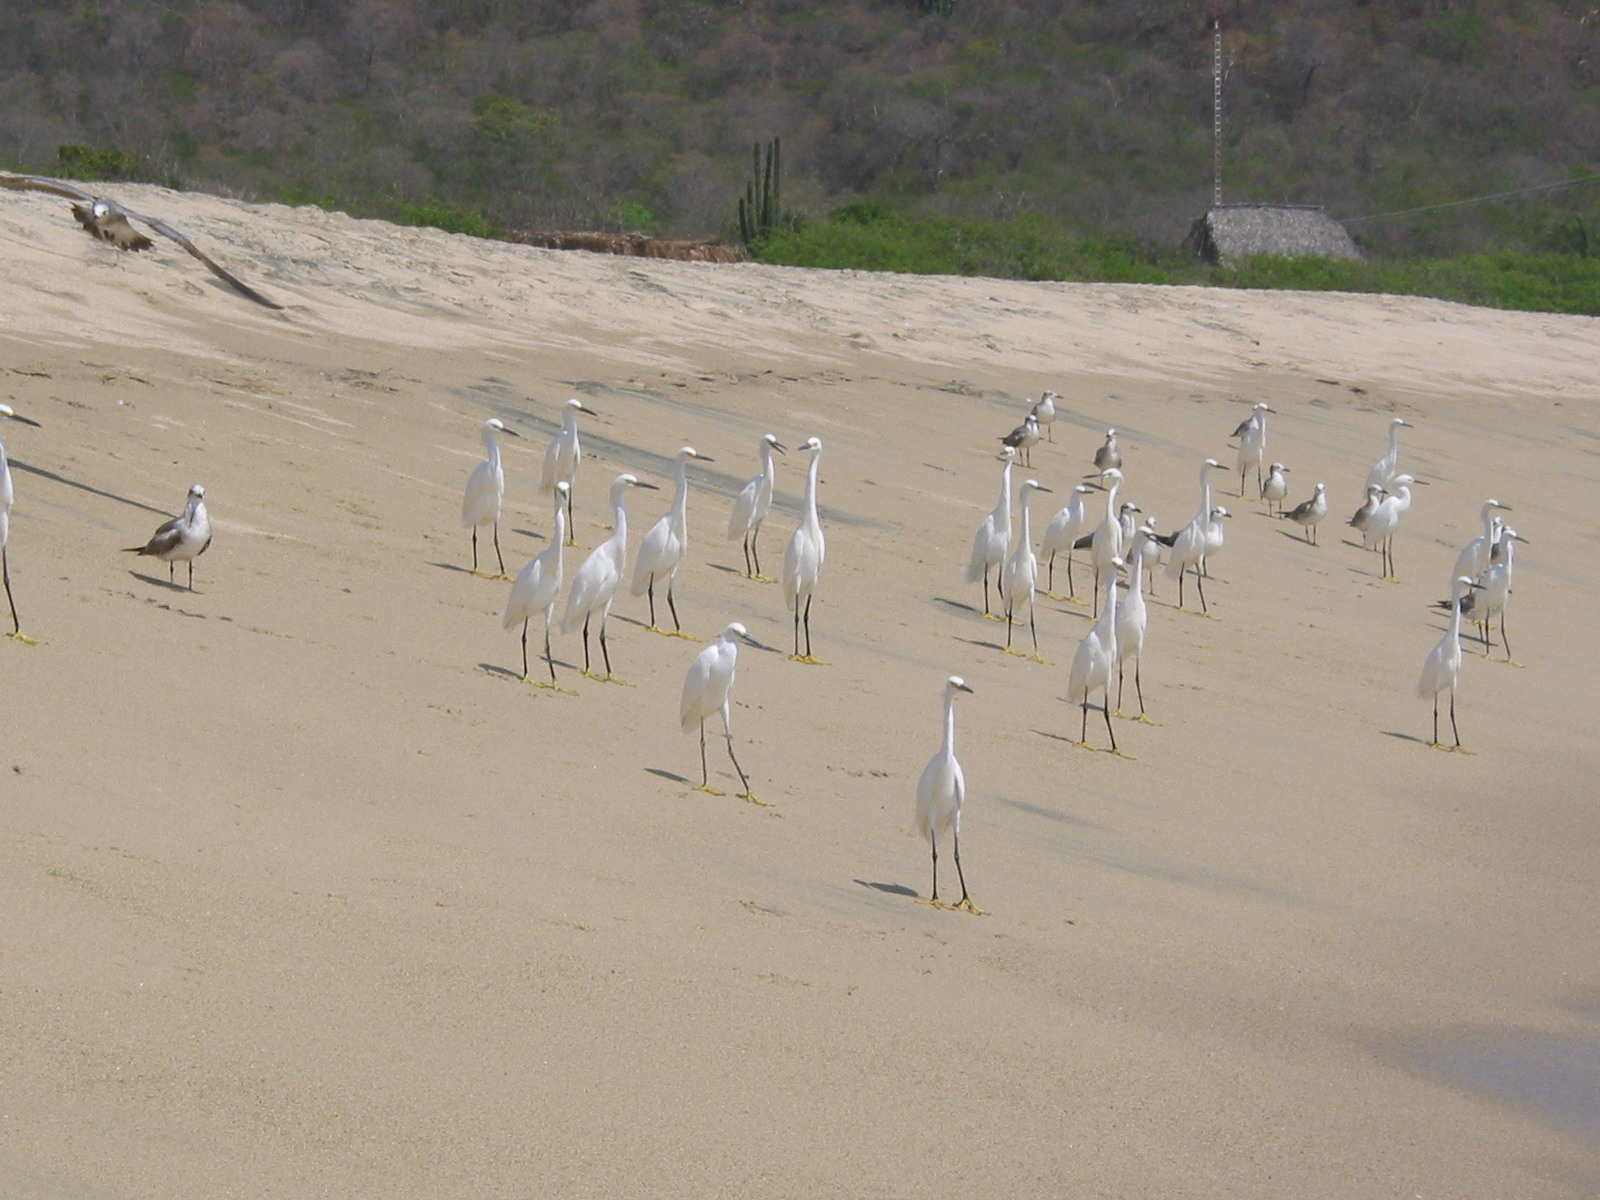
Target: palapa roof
[1233, 231]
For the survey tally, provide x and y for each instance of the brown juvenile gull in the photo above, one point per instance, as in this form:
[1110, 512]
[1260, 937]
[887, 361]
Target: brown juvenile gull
[109, 222]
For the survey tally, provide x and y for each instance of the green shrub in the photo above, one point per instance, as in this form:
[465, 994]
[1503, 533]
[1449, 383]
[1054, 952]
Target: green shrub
[451, 218]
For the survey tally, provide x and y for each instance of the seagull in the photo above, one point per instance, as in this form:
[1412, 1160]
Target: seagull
[7, 495]
[1276, 487]
[107, 221]
[1308, 514]
[1108, 456]
[1023, 439]
[1044, 412]
[1363, 515]
[183, 539]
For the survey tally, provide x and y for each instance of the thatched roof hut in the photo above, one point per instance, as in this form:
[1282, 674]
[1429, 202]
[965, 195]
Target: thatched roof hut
[1234, 231]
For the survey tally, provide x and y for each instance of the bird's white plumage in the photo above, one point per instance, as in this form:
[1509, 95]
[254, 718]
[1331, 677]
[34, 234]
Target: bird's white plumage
[565, 453]
[754, 501]
[486, 486]
[993, 538]
[1383, 472]
[803, 556]
[662, 548]
[594, 586]
[1473, 560]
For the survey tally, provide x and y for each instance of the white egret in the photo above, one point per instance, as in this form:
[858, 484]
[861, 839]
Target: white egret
[1105, 544]
[993, 540]
[705, 691]
[1308, 514]
[1125, 519]
[1023, 439]
[1252, 435]
[1473, 560]
[1133, 617]
[1061, 534]
[1276, 487]
[1442, 667]
[594, 587]
[182, 539]
[940, 793]
[802, 557]
[1108, 455]
[661, 551]
[563, 456]
[752, 504]
[1044, 412]
[1495, 583]
[1022, 570]
[1386, 519]
[7, 497]
[1189, 543]
[1092, 663]
[1384, 470]
[537, 586]
[480, 505]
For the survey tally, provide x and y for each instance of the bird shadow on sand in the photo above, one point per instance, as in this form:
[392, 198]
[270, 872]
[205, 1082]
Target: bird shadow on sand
[84, 487]
[981, 644]
[537, 666]
[956, 604]
[1403, 737]
[725, 569]
[673, 776]
[157, 581]
[456, 567]
[891, 889]
[532, 533]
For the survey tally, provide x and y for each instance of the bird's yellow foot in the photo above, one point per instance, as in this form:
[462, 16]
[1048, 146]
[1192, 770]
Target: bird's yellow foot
[1463, 750]
[688, 637]
[503, 577]
[1039, 658]
[967, 905]
[1054, 596]
[1016, 653]
[615, 680]
[935, 902]
[1083, 745]
[708, 789]
[806, 658]
[1122, 754]
[751, 796]
[1438, 746]
[548, 685]
[761, 579]
[1144, 720]
[19, 636]
[477, 574]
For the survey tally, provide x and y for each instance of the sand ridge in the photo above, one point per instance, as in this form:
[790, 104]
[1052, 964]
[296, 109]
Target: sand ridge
[312, 896]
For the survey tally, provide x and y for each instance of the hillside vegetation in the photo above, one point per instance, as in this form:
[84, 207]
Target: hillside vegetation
[1093, 118]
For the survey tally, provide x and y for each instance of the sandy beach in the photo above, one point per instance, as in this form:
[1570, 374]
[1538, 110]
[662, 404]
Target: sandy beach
[310, 895]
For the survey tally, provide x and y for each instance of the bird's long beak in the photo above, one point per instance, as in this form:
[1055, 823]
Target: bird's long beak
[584, 408]
[779, 447]
[961, 687]
[705, 458]
[22, 420]
[642, 484]
[511, 431]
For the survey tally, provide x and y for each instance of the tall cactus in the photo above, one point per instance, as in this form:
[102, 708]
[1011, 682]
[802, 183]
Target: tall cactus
[761, 208]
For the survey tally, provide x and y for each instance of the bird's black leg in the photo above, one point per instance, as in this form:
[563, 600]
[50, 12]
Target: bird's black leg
[651, 589]
[474, 549]
[986, 590]
[586, 645]
[1453, 728]
[797, 629]
[1032, 629]
[524, 647]
[572, 534]
[604, 652]
[749, 572]
[1119, 685]
[743, 778]
[1503, 641]
[808, 626]
[1106, 712]
[965, 900]
[5, 570]
[497, 555]
[1200, 586]
[933, 841]
[672, 608]
[1083, 725]
[754, 552]
[1050, 573]
[1008, 626]
[705, 775]
[1435, 741]
[1137, 687]
[548, 657]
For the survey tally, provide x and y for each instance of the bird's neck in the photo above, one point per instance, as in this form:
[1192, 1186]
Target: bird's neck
[811, 487]
[950, 722]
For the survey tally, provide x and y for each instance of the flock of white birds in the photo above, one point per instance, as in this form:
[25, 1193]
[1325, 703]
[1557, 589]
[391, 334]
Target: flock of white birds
[1123, 554]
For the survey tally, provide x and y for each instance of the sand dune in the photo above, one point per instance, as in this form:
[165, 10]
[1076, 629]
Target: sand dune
[310, 895]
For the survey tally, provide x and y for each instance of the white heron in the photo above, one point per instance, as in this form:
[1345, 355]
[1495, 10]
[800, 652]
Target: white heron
[751, 505]
[1386, 519]
[1276, 488]
[803, 556]
[1308, 514]
[1061, 534]
[1126, 519]
[480, 505]
[1133, 617]
[993, 540]
[1044, 412]
[1105, 544]
[1495, 584]
[1023, 439]
[1021, 575]
[1092, 663]
[1110, 454]
[537, 586]
[183, 539]
[1252, 435]
[705, 691]
[594, 587]
[1384, 470]
[563, 456]
[662, 549]
[1473, 560]
[1442, 668]
[7, 497]
[1189, 543]
[940, 793]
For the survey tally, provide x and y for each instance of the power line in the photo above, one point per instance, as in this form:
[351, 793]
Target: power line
[1542, 187]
